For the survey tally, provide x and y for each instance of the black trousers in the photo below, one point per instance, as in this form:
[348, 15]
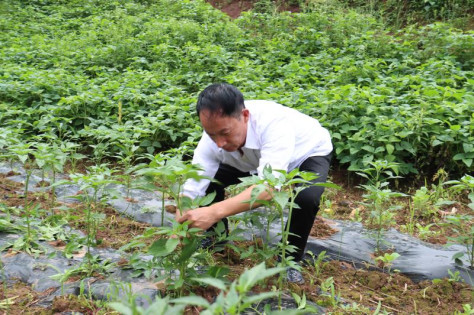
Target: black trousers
[302, 219]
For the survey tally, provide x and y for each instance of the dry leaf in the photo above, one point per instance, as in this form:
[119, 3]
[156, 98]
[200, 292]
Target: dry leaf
[171, 208]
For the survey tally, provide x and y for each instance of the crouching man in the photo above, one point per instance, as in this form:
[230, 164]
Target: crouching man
[240, 138]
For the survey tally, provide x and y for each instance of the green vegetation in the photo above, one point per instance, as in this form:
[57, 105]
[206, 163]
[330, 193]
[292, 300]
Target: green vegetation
[120, 78]
[402, 12]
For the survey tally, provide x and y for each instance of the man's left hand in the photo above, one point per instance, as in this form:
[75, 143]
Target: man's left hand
[202, 218]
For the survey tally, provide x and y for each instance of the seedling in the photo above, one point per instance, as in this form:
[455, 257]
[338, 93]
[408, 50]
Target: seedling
[466, 183]
[378, 196]
[387, 260]
[90, 266]
[464, 236]
[284, 188]
[329, 291]
[176, 249]
[454, 276]
[23, 152]
[234, 298]
[50, 157]
[168, 175]
[424, 232]
[318, 262]
[92, 185]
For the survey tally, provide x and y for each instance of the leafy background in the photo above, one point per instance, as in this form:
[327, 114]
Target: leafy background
[96, 72]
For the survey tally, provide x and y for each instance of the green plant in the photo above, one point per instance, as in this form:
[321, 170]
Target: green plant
[176, 249]
[409, 227]
[454, 276]
[378, 196]
[318, 263]
[329, 292]
[464, 235]
[88, 267]
[424, 232]
[161, 306]
[70, 149]
[166, 254]
[303, 307]
[23, 152]
[422, 203]
[467, 310]
[5, 303]
[466, 183]
[168, 175]
[50, 157]
[93, 185]
[387, 260]
[283, 188]
[234, 298]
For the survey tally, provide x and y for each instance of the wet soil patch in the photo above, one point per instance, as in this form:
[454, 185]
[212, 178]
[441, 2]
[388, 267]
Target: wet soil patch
[234, 8]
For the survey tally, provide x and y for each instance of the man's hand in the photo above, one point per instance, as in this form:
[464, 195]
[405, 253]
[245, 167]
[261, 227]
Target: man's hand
[202, 218]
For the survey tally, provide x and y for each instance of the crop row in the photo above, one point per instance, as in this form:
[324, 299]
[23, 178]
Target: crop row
[98, 73]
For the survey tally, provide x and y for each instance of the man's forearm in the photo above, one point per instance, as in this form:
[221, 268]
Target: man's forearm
[239, 203]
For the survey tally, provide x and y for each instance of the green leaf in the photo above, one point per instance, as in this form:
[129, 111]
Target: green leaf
[458, 255]
[390, 148]
[257, 298]
[281, 198]
[192, 300]
[250, 277]
[468, 147]
[436, 142]
[368, 148]
[468, 162]
[121, 308]
[217, 283]
[163, 247]
[458, 156]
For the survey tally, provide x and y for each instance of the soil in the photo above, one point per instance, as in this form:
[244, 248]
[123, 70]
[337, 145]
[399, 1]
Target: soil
[396, 293]
[322, 228]
[234, 8]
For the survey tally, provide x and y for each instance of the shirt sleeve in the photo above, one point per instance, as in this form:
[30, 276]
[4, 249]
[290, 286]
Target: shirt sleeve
[205, 155]
[278, 142]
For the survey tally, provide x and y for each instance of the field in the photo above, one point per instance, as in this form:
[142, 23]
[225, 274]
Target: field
[98, 125]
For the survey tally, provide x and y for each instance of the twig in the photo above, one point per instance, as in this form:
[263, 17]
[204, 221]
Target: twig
[5, 187]
[390, 308]
[357, 282]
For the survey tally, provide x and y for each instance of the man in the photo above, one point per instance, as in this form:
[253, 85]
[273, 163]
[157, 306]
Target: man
[241, 138]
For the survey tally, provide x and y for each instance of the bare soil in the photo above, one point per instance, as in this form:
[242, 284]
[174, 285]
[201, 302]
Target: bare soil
[234, 8]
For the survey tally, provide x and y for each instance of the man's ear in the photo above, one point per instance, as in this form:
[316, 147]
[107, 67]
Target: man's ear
[245, 114]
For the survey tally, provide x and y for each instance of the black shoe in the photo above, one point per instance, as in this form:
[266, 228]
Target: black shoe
[294, 276]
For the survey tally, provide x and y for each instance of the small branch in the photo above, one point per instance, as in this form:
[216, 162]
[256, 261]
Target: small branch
[385, 306]
[6, 188]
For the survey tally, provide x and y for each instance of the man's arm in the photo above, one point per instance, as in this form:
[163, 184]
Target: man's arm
[205, 217]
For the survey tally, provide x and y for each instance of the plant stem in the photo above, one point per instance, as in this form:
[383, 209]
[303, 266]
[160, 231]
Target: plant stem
[27, 210]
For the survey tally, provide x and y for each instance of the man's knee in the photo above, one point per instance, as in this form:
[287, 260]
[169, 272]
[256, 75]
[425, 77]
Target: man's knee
[308, 199]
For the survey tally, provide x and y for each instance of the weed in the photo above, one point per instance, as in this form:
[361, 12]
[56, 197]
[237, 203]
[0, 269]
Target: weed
[378, 196]
[387, 260]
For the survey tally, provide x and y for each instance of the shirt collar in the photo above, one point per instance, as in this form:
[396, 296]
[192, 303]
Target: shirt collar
[251, 139]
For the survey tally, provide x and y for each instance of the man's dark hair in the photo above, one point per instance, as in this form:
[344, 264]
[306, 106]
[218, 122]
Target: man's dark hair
[221, 98]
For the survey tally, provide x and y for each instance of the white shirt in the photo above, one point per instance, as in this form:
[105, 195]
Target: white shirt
[276, 135]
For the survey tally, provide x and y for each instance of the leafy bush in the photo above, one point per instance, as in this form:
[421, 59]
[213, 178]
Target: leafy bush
[97, 71]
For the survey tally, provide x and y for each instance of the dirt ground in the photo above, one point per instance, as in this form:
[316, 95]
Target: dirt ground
[234, 8]
[395, 292]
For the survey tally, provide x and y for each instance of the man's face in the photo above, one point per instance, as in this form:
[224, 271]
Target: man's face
[228, 132]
